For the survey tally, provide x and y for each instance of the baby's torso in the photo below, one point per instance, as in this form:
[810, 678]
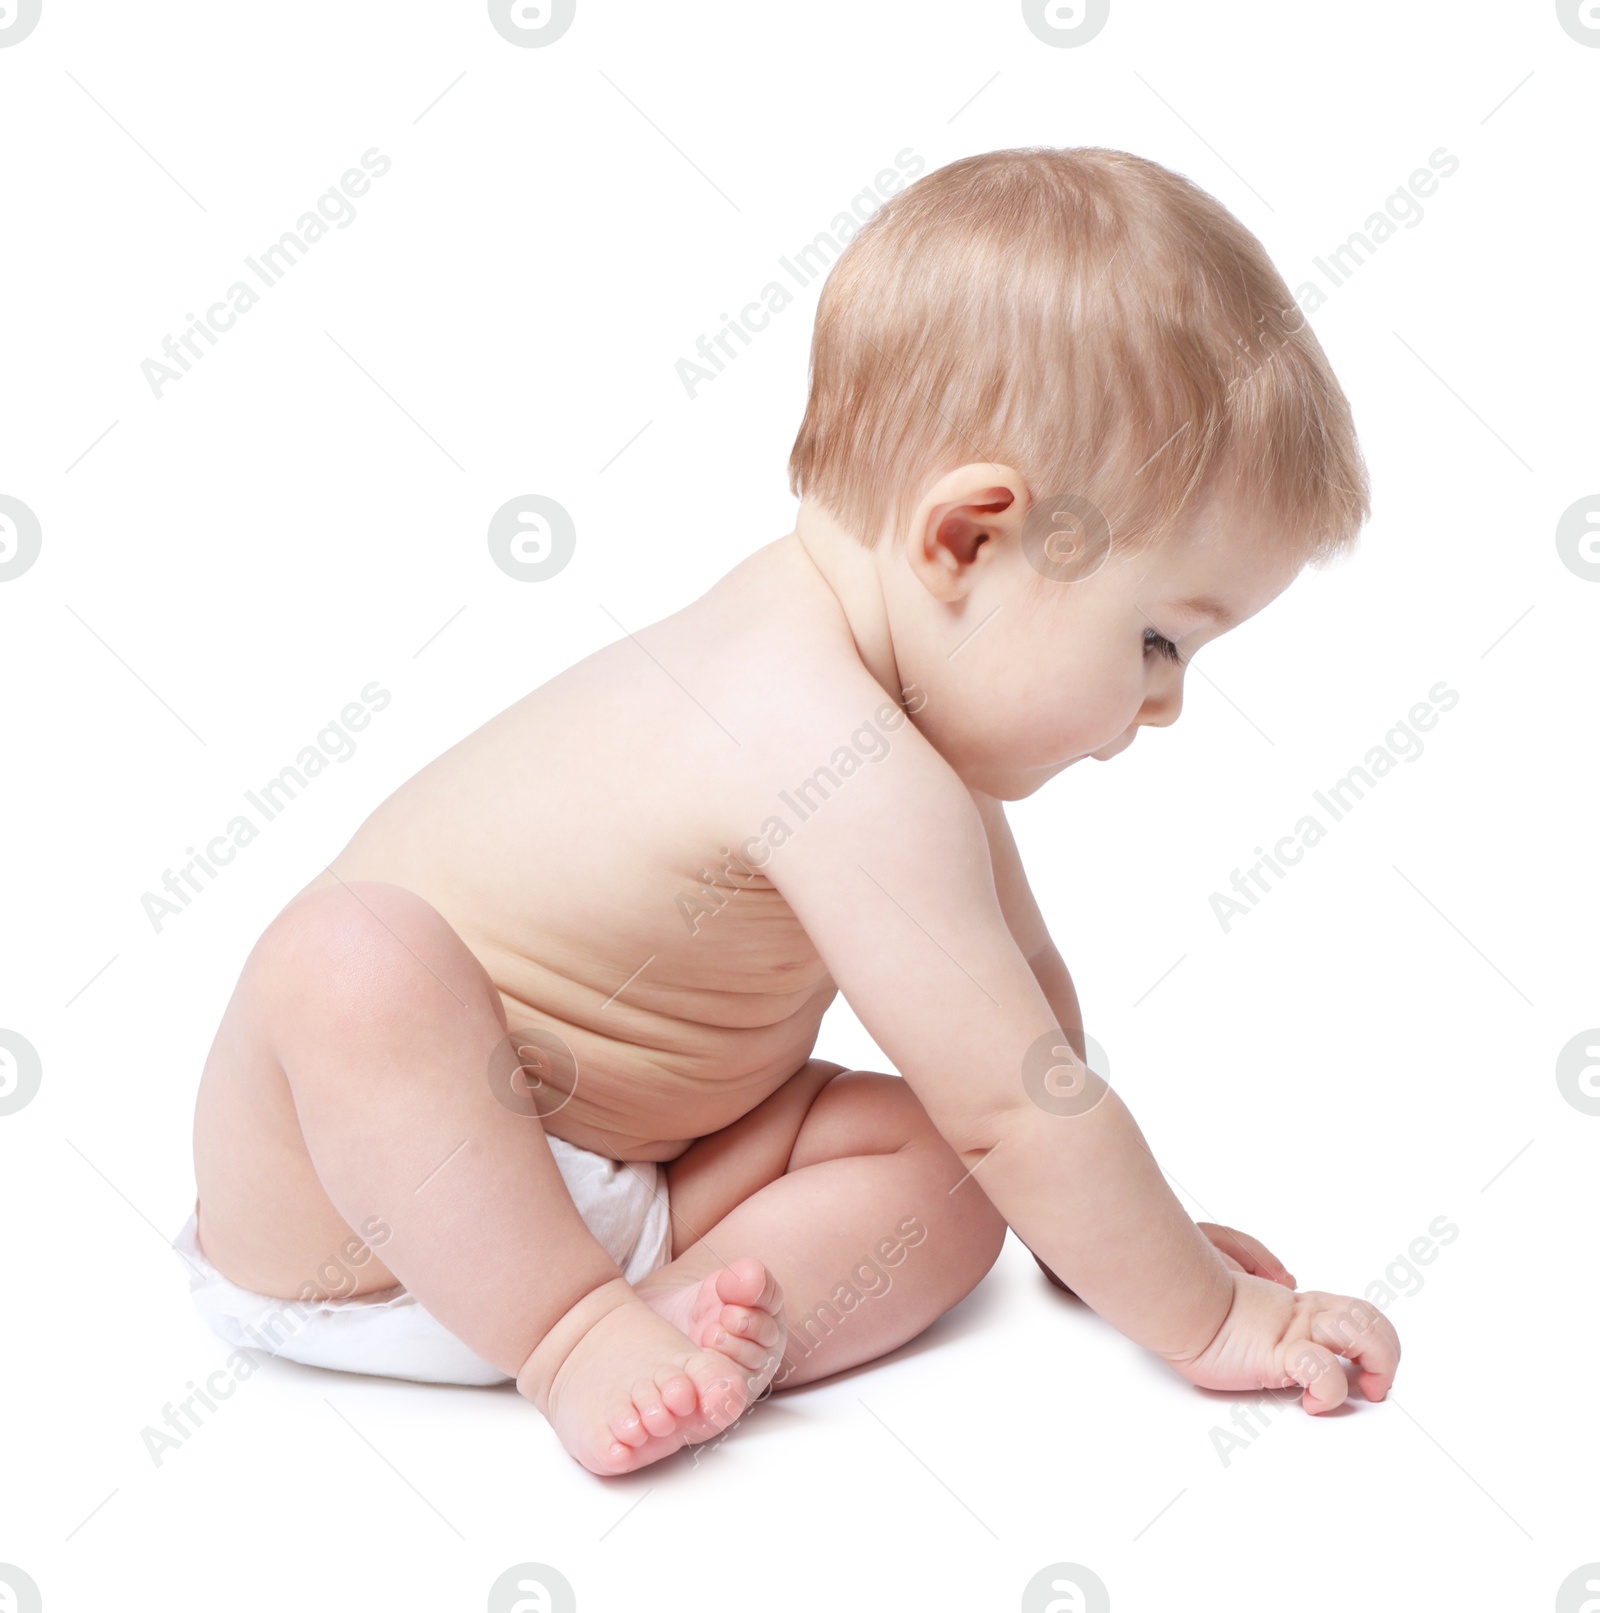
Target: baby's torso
[585, 845]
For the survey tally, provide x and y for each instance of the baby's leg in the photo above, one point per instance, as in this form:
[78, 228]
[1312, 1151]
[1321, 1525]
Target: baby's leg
[349, 1080]
[842, 1188]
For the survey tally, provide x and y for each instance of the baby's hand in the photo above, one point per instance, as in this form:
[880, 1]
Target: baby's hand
[1272, 1338]
[1244, 1253]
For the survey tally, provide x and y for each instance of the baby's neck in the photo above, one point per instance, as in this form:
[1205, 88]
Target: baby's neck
[851, 573]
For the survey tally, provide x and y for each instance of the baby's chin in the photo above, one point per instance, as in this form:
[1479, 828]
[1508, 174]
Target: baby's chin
[1115, 748]
[1015, 782]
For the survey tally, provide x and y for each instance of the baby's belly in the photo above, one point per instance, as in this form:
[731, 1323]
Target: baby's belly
[646, 1094]
[642, 1079]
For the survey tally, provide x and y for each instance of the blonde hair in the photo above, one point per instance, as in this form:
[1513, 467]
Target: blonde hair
[1094, 320]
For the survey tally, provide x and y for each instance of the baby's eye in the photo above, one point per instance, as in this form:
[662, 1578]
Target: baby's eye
[1162, 646]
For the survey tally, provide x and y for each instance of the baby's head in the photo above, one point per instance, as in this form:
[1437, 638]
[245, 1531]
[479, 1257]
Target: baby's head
[1060, 400]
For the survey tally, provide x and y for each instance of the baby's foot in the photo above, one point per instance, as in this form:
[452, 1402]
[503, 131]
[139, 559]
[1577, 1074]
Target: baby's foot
[735, 1310]
[635, 1388]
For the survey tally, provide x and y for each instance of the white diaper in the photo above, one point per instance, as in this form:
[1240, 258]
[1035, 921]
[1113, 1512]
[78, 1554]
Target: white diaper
[388, 1333]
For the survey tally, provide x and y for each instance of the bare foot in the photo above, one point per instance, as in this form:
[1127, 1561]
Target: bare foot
[635, 1387]
[736, 1310]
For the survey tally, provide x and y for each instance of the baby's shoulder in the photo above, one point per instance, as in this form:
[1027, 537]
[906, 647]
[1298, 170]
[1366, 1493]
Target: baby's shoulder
[790, 715]
[802, 703]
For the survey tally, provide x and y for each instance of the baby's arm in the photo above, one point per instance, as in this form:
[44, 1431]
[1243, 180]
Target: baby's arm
[1028, 929]
[1026, 923]
[892, 879]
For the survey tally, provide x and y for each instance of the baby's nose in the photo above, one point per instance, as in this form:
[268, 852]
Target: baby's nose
[1161, 711]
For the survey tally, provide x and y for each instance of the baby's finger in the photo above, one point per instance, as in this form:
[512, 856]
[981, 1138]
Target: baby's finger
[1318, 1371]
[1358, 1329]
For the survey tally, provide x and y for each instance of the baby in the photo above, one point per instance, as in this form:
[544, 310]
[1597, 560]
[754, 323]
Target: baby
[522, 1086]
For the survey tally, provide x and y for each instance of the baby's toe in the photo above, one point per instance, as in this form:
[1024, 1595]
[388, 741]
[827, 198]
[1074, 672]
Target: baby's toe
[745, 1322]
[627, 1427]
[746, 1281]
[655, 1416]
[617, 1458]
[678, 1393]
[723, 1398]
[749, 1355]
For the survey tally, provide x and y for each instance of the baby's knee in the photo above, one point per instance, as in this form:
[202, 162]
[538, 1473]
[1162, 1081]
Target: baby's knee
[346, 953]
[884, 1114]
[866, 1112]
[341, 916]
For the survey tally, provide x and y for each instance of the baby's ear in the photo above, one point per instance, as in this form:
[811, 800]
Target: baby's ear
[1055, 1281]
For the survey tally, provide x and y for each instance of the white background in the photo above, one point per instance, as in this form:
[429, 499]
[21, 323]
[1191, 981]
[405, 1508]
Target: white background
[1373, 1047]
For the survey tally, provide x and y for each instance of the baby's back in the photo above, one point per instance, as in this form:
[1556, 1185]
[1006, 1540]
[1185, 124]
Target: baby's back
[585, 845]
